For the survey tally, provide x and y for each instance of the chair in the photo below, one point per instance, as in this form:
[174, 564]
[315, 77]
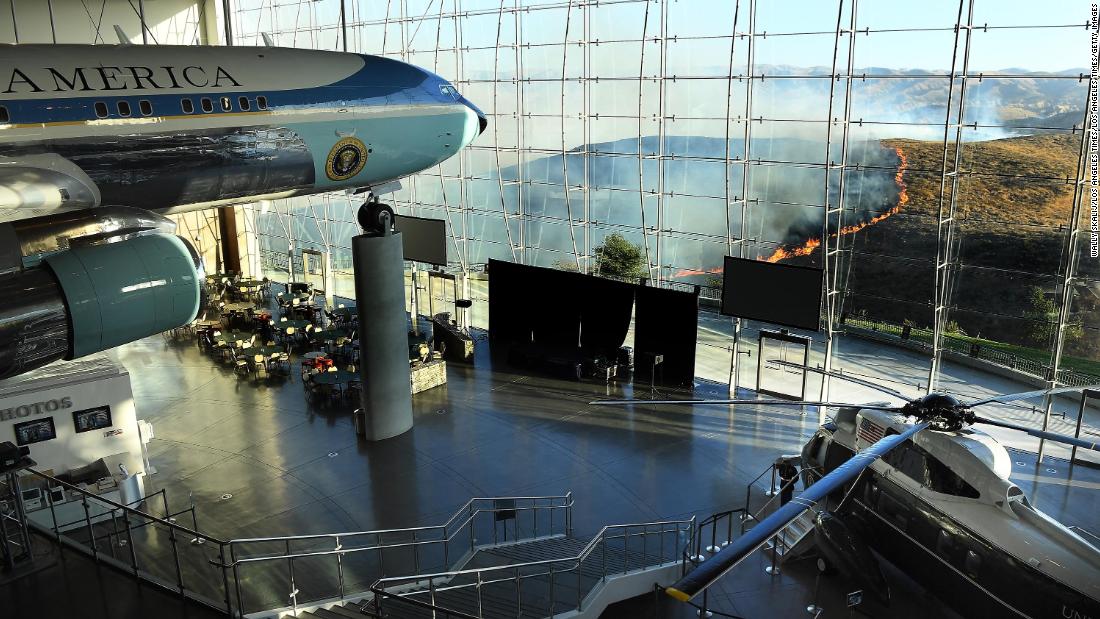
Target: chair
[259, 363]
[281, 360]
[241, 364]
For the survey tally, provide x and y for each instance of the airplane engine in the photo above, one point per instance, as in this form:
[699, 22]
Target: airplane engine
[94, 295]
[849, 553]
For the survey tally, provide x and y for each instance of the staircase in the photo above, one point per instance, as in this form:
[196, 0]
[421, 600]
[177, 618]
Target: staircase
[560, 577]
[796, 539]
[513, 557]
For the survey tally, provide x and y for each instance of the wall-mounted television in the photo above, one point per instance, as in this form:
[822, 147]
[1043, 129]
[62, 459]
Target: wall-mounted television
[780, 294]
[35, 431]
[92, 419]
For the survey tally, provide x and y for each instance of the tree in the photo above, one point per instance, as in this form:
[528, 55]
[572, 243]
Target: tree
[1043, 314]
[619, 258]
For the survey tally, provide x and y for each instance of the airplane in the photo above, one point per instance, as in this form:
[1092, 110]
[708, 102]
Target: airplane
[98, 142]
[922, 488]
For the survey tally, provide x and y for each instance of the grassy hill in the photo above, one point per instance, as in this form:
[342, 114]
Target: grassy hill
[1013, 207]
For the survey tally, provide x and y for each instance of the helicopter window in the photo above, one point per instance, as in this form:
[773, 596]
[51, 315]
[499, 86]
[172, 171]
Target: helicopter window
[836, 454]
[917, 464]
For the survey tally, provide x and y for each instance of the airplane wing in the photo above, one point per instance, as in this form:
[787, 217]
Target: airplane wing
[714, 568]
[42, 184]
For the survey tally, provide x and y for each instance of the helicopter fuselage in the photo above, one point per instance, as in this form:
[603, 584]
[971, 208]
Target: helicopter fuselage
[942, 509]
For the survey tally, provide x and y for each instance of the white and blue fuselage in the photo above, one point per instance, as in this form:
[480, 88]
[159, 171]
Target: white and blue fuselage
[171, 129]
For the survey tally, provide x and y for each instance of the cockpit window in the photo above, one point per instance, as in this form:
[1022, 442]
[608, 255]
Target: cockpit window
[922, 467]
[449, 90]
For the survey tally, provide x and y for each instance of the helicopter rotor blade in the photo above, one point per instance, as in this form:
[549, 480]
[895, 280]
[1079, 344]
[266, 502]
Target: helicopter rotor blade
[760, 402]
[1050, 436]
[715, 567]
[1025, 395]
[851, 379]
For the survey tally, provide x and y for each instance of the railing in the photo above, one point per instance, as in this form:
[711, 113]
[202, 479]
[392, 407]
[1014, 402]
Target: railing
[923, 338]
[329, 567]
[555, 585]
[154, 548]
[693, 555]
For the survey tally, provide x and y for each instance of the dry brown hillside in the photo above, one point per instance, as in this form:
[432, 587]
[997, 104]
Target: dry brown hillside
[1025, 181]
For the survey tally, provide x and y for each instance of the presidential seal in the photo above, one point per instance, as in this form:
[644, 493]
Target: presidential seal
[346, 159]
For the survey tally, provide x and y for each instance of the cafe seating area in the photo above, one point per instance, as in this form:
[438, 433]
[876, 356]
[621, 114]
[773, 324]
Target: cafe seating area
[260, 335]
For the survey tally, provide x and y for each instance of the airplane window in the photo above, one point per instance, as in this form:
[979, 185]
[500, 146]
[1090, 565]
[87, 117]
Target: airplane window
[207, 105]
[4, 118]
[101, 109]
[243, 103]
[123, 108]
[145, 107]
[188, 106]
[261, 102]
[227, 104]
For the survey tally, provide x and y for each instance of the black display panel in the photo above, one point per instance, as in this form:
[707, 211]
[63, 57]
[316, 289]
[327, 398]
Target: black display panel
[35, 431]
[92, 419]
[424, 240]
[779, 294]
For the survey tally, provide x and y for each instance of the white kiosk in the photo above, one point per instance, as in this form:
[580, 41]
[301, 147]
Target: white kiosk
[79, 421]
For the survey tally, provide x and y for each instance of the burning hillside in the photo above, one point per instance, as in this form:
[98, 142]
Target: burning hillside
[811, 245]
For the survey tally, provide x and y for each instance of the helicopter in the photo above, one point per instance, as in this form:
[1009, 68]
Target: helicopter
[919, 486]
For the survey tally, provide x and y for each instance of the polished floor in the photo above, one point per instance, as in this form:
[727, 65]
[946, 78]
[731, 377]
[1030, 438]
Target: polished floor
[258, 459]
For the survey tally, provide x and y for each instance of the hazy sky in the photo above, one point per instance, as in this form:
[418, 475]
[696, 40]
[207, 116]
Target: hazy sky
[1027, 45]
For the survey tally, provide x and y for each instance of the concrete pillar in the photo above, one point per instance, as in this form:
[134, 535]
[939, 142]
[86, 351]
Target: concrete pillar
[383, 336]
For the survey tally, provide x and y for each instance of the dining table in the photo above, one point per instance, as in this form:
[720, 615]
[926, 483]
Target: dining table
[339, 377]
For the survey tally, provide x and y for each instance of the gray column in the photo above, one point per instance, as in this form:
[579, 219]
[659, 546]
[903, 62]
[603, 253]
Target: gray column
[386, 398]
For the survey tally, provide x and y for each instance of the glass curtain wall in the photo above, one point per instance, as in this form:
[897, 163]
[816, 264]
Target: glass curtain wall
[928, 155]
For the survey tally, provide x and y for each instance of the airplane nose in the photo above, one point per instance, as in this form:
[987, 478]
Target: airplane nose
[482, 123]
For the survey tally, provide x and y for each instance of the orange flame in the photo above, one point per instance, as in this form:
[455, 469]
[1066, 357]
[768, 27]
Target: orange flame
[807, 248]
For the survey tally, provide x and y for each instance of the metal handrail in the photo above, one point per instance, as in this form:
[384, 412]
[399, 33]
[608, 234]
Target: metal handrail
[432, 607]
[794, 481]
[568, 497]
[91, 547]
[119, 506]
[340, 538]
[582, 555]
[380, 586]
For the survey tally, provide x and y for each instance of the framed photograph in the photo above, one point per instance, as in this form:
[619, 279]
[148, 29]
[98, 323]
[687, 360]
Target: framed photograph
[35, 431]
[92, 419]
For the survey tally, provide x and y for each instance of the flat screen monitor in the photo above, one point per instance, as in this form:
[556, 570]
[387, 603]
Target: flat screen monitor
[425, 240]
[35, 431]
[779, 294]
[92, 419]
